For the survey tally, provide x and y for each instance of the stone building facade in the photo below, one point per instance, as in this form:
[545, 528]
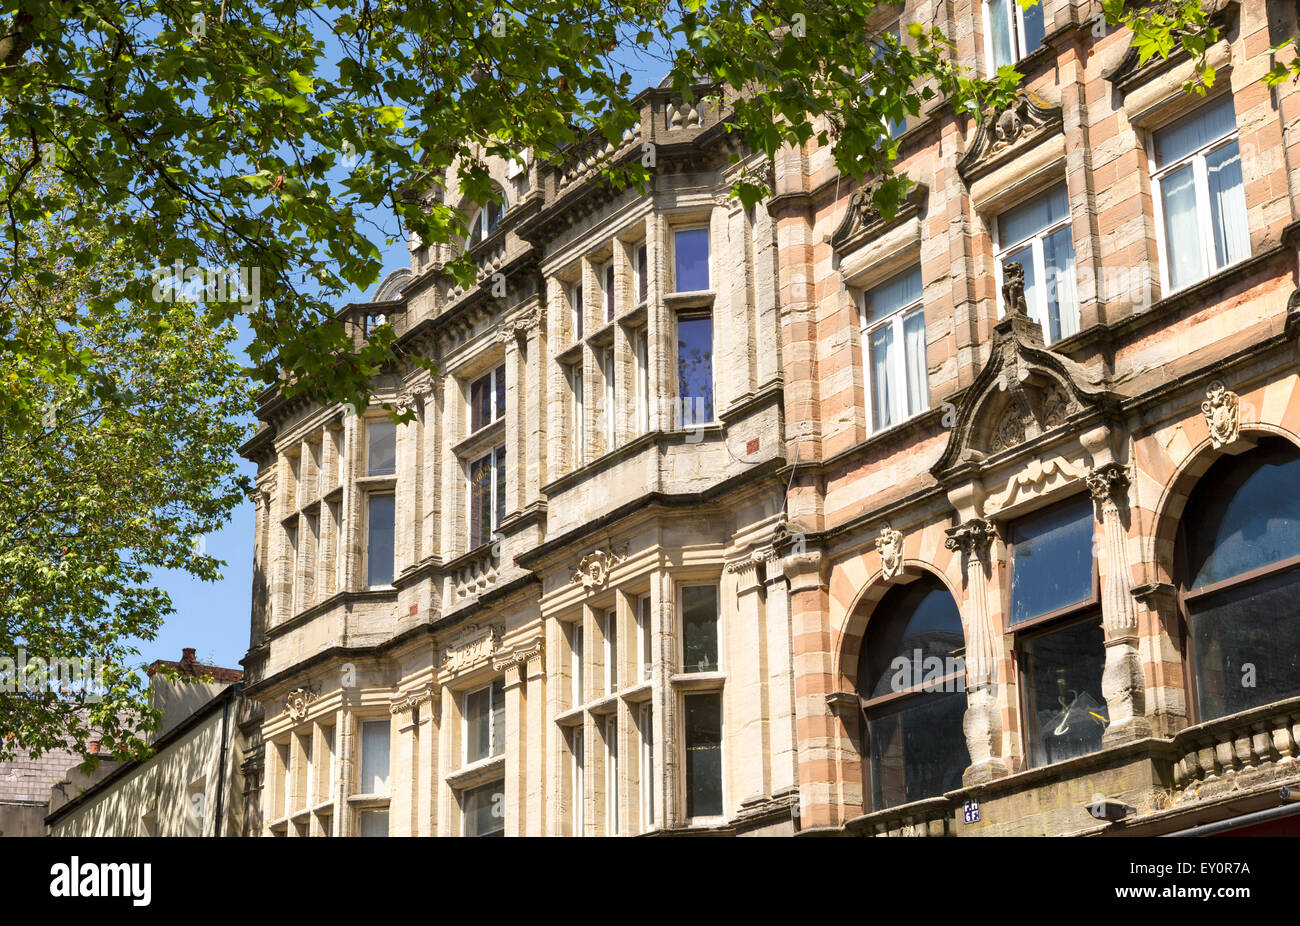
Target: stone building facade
[807, 519]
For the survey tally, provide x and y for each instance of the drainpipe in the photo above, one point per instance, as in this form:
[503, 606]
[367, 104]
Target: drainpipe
[221, 770]
[1260, 816]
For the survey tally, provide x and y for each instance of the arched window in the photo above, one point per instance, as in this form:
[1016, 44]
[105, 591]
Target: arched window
[913, 691]
[1239, 553]
[484, 223]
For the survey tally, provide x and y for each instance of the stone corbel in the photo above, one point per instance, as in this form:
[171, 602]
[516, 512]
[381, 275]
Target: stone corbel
[518, 655]
[410, 700]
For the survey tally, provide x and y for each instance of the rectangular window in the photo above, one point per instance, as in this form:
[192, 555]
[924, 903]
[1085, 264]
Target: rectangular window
[607, 287]
[1011, 31]
[611, 775]
[372, 823]
[331, 766]
[691, 260]
[1051, 560]
[577, 781]
[576, 415]
[483, 810]
[291, 544]
[487, 399]
[1037, 236]
[379, 539]
[1061, 657]
[893, 337]
[702, 736]
[578, 309]
[642, 274]
[610, 411]
[286, 798]
[575, 663]
[381, 448]
[487, 477]
[611, 651]
[646, 723]
[485, 718]
[1198, 171]
[695, 368]
[374, 757]
[645, 658]
[700, 628]
[641, 354]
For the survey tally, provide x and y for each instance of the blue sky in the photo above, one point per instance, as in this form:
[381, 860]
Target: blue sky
[213, 617]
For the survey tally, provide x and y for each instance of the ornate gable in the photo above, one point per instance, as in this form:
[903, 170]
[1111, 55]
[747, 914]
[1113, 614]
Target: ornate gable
[1005, 131]
[1025, 390]
[863, 221]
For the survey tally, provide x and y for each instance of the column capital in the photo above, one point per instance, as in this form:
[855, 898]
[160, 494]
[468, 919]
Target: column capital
[1109, 482]
[972, 538]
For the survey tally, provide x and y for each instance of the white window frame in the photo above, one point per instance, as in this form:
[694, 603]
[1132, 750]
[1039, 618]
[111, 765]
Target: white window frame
[611, 775]
[645, 722]
[496, 502]
[1018, 50]
[1002, 250]
[708, 261]
[481, 226]
[644, 638]
[493, 376]
[492, 725]
[898, 368]
[609, 371]
[611, 650]
[1201, 183]
[361, 758]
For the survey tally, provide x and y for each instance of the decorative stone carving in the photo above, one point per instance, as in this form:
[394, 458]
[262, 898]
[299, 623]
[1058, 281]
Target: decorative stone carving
[475, 644]
[972, 538]
[890, 547]
[298, 701]
[751, 560]
[518, 655]
[1108, 482]
[411, 699]
[1056, 408]
[1013, 289]
[520, 324]
[1027, 116]
[1036, 477]
[1009, 433]
[593, 569]
[1222, 409]
[862, 219]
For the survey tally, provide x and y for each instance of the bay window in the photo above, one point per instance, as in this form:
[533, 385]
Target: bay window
[893, 339]
[487, 399]
[702, 739]
[485, 722]
[645, 717]
[1201, 196]
[381, 447]
[1036, 235]
[611, 651]
[642, 273]
[487, 492]
[610, 411]
[607, 290]
[695, 368]
[483, 810]
[699, 628]
[374, 757]
[379, 539]
[690, 260]
[611, 775]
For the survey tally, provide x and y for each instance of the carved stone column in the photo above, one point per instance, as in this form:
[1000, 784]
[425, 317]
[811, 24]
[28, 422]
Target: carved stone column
[983, 722]
[1122, 683]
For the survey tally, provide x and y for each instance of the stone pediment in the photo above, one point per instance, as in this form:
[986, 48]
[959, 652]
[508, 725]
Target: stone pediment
[1003, 133]
[1025, 390]
[863, 221]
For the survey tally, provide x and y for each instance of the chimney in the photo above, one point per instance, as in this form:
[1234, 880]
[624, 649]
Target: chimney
[187, 656]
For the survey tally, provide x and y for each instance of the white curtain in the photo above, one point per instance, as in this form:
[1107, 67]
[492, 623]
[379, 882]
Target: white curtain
[882, 345]
[918, 398]
[1182, 234]
[1227, 205]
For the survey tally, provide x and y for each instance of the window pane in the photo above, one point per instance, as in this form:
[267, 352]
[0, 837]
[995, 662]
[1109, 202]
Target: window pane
[1034, 32]
[480, 501]
[498, 717]
[1029, 218]
[609, 292]
[918, 392]
[642, 273]
[691, 252]
[1051, 560]
[499, 505]
[1182, 228]
[918, 751]
[700, 628]
[1254, 625]
[484, 810]
[703, 739]
[695, 368]
[898, 293]
[1000, 32]
[914, 623]
[373, 823]
[579, 310]
[611, 650]
[1227, 205]
[379, 545]
[478, 725]
[1065, 712]
[1025, 258]
[381, 455]
[880, 347]
[501, 392]
[1062, 307]
[1244, 514]
[643, 618]
[480, 402]
[1197, 130]
[374, 758]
